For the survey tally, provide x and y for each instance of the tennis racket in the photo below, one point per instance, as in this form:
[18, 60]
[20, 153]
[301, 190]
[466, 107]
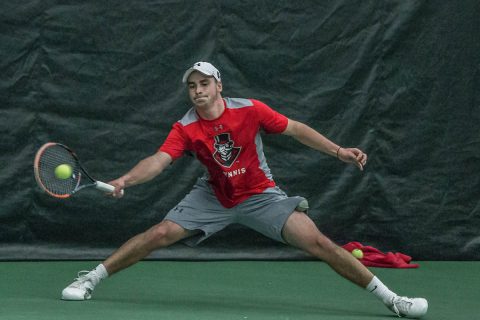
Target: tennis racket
[48, 158]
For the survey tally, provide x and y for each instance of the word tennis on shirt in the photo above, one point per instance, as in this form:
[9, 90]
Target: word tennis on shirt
[237, 172]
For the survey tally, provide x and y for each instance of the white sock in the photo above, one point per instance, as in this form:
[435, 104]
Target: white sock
[381, 291]
[101, 271]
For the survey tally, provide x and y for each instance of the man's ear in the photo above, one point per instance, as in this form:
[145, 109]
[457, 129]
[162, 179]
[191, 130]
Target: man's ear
[219, 86]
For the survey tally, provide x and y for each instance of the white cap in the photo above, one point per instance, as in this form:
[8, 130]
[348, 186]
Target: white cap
[203, 67]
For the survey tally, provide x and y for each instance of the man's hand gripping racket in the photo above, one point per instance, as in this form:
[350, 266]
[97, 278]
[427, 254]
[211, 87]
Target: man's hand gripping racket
[59, 172]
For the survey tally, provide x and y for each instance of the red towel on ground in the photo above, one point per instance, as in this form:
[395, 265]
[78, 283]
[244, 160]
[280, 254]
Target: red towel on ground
[373, 257]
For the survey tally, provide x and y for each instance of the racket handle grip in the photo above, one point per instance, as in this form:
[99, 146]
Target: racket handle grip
[104, 186]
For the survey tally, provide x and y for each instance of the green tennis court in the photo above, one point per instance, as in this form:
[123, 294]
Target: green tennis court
[231, 290]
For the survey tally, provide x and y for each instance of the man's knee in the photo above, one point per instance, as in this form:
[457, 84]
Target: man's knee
[320, 245]
[301, 231]
[164, 234]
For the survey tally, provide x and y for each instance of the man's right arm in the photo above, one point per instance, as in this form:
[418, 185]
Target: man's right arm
[144, 171]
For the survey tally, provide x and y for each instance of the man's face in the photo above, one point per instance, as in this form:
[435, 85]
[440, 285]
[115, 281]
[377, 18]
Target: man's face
[203, 90]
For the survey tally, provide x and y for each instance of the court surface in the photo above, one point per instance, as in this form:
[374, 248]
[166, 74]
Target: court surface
[231, 290]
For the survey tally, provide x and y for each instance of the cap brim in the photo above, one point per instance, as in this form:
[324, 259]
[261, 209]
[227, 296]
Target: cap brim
[187, 74]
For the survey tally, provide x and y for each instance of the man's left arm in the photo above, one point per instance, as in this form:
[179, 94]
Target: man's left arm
[317, 141]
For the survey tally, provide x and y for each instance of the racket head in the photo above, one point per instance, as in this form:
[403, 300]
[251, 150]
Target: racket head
[48, 157]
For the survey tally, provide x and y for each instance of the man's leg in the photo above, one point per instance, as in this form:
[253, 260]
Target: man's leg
[135, 249]
[159, 236]
[301, 232]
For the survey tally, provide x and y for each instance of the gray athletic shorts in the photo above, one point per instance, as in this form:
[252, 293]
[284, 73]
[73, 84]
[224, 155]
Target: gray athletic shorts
[200, 210]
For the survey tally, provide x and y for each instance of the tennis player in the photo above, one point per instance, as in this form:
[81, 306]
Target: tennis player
[224, 135]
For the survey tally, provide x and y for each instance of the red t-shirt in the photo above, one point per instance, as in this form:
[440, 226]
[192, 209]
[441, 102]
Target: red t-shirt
[230, 147]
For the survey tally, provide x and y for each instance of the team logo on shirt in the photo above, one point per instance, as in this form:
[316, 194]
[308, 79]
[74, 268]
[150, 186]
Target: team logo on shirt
[225, 151]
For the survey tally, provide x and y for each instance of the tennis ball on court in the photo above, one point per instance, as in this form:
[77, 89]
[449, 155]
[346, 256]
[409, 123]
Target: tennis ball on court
[357, 253]
[63, 171]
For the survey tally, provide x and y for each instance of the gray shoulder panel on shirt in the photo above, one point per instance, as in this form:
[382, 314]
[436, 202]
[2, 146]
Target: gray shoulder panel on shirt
[236, 103]
[189, 117]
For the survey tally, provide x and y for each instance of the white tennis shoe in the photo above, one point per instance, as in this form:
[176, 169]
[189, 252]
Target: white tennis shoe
[82, 287]
[413, 308]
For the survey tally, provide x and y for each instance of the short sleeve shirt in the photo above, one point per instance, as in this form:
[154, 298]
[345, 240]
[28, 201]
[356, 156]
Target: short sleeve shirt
[230, 147]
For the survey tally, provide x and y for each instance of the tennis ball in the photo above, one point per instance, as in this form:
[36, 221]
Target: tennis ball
[357, 253]
[63, 171]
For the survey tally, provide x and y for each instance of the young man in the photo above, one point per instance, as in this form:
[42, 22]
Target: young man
[224, 134]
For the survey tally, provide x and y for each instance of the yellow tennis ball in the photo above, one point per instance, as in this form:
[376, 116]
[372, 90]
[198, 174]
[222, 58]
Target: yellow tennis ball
[63, 171]
[357, 253]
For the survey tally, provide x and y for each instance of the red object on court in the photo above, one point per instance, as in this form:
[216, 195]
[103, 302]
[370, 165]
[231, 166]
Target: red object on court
[373, 257]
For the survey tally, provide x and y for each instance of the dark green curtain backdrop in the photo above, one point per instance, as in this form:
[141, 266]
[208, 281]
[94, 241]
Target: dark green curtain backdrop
[399, 79]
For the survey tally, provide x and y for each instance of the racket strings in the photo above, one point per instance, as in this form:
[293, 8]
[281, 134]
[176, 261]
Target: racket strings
[50, 159]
